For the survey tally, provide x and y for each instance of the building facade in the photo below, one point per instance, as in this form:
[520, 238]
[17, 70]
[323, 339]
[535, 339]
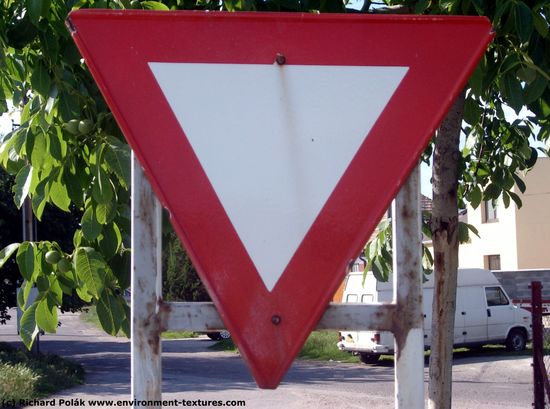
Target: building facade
[511, 238]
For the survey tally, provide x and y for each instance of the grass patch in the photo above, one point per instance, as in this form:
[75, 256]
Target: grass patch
[178, 334]
[321, 346]
[24, 375]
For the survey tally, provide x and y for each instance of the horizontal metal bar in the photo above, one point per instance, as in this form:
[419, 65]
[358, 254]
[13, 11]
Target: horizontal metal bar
[203, 316]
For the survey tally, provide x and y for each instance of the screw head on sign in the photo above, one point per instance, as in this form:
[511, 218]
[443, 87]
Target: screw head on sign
[280, 59]
[276, 320]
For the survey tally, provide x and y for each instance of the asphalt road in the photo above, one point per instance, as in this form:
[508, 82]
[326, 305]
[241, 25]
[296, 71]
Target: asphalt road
[194, 373]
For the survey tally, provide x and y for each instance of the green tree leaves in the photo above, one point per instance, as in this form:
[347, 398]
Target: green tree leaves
[28, 327]
[90, 269]
[110, 311]
[22, 185]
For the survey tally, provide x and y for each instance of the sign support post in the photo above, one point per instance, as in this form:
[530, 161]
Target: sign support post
[149, 319]
[146, 267]
[407, 268]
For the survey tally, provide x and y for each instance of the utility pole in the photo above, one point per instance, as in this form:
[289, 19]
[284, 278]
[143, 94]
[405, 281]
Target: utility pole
[29, 234]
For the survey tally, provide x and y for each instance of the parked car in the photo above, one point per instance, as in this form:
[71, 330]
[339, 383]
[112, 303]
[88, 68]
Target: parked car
[218, 335]
[484, 314]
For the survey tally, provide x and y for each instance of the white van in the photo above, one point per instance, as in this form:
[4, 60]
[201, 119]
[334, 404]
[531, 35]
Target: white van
[484, 314]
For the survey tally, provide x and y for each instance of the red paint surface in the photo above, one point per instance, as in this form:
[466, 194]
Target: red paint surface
[441, 53]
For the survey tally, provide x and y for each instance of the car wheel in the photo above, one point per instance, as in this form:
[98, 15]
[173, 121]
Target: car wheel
[214, 336]
[368, 358]
[225, 334]
[516, 340]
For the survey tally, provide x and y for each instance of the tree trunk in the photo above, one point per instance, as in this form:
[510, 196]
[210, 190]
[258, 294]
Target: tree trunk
[445, 247]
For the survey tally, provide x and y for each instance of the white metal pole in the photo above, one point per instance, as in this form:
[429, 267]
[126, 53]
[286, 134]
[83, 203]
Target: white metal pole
[407, 268]
[146, 367]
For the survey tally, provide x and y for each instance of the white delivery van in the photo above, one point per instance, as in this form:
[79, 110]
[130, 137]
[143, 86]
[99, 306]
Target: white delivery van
[484, 314]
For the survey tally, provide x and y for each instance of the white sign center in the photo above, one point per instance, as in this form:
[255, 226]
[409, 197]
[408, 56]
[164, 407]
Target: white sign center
[275, 140]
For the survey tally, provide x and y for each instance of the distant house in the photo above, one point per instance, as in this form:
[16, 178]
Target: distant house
[511, 238]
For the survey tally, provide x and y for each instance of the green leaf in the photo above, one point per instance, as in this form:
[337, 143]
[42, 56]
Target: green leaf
[516, 199]
[472, 228]
[78, 239]
[512, 91]
[491, 192]
[55, 145]
[39, 197]
[125, 325]
[472, 111]
[479, 6]
[102, 190]
[110, 240]
[519, 183]
[523, 20]
[109, 312]
[118, 158]
[46, 315]
[475, 197]
[463, 236]
[501, 9]
[22, 184]
[59, 196]
[530, 162]
[37, 9]
[106, 212]
[476, 80]
[540, 23]
[72, 183]
[66, 282]
[25, 260]
[56, 292]
[154, 5]
[83, 293]
[39, 154]
[91, 270]
[535, 89]
[6, 252]
[120, 266]
[42, 282]
[21, 301]
[90, 226]
[28, 328]
[67, 106]
[40, 79]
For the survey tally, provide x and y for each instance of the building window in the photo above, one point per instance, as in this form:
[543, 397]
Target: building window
[489, 212]
[351, 298]
[492, 262]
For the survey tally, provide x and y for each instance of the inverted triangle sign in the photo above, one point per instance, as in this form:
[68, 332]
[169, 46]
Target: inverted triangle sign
[275, 169]
[275, 172]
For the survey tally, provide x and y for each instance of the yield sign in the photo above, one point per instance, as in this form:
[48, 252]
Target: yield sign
[276, 141]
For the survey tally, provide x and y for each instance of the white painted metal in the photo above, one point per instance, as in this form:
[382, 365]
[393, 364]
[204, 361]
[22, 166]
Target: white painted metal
[146, 290]
[148, 319]
[278, 144]
[203, 316]
[409, 372]
[407, 267]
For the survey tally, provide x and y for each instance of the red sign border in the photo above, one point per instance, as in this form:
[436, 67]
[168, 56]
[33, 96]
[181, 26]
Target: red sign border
[359, 199]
